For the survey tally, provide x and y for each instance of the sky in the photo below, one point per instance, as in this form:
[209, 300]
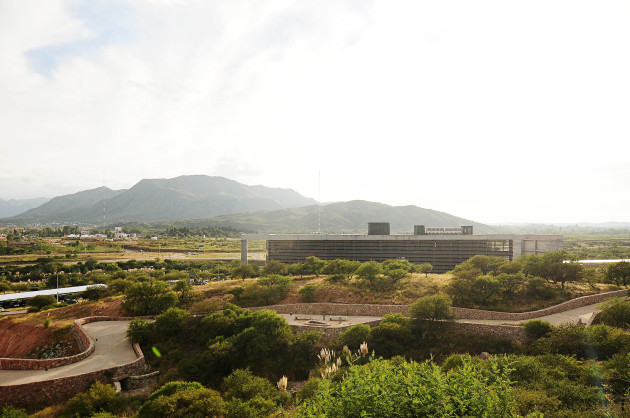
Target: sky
[495, 111]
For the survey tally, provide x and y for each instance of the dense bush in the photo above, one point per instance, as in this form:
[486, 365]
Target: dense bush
[149, 298]
[405, 389]
[615, 313]
[98, 398]
[183, 399]
[40, 301]
[537, 329]
[599, 342]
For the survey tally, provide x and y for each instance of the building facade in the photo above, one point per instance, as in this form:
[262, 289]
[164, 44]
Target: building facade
[443, 248]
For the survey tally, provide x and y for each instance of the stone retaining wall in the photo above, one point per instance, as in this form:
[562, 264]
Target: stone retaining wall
[329, 333]
[463, 313]
[506, 332]
[61, 389]
[349, 309]
[140, 382]
[85, 343]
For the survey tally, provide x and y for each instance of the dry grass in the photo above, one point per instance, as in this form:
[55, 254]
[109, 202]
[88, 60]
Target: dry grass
[62, 317]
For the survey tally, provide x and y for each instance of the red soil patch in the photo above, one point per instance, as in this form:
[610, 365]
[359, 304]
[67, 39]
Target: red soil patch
[17, 339]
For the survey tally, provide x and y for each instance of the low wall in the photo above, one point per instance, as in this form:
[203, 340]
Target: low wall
[328, 333]
[59, 390]
[140, 382]
[85, 343]
[506, 332]
[350, 309]
[463, 313]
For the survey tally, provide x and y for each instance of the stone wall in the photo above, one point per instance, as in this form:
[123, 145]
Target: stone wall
[506, 332]
[463, 313]
[349, 309]
[85, 343]
[139, 382]
[61, 389]
[329, 333]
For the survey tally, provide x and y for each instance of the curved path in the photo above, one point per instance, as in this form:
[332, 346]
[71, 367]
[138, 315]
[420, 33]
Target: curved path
[583, 315]
[111, 348]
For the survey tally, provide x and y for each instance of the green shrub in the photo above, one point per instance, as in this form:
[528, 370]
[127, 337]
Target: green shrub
[535, 401]
[32, 309]
[138, 331]
[615, 313]
[244, 385]
[183, 401]
[537, 329]
[309, 389]
[149, 298]
[11, 412]
[40, 301]
[307, 292]
[355, 336]
[98, 398]
[381, 388]
[432, 308]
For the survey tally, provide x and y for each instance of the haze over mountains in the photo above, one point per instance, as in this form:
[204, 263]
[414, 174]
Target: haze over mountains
[221, 201]
[13, 207]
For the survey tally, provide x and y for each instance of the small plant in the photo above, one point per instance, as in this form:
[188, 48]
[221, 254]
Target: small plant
[46, 323]
[282, 383]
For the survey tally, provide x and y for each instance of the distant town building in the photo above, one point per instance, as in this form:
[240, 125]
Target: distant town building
[443, 248]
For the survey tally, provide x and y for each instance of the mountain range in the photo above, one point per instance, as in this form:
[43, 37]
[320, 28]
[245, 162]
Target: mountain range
[221, 201]
[345, 217]
[153, 200]
[14, 207]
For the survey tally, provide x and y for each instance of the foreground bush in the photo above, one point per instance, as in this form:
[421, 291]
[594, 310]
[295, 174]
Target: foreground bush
[409, 389]
[183, 399]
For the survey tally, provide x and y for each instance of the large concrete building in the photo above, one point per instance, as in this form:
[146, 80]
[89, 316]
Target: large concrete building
[443, 248]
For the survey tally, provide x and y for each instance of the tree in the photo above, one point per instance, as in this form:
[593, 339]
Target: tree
[511, 282]
[619, 273]
[274, 267]
[425, 268]
[185, 292]
[485, 290]
[370, 271]
[340, 266]
[243, 271]
[313, 265]
[432, 308]
[40, 301]
[5, 286]
[149, 298]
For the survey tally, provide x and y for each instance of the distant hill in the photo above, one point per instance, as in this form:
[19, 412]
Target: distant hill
[345, 217]
[153, 200]
[13, 207]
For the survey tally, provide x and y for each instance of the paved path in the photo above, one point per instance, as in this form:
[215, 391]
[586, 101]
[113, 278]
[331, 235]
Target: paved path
[111, 349]
[583, 314]
[572, 316]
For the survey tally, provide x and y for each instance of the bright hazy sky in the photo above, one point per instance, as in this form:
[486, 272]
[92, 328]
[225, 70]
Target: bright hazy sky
[495, 111]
